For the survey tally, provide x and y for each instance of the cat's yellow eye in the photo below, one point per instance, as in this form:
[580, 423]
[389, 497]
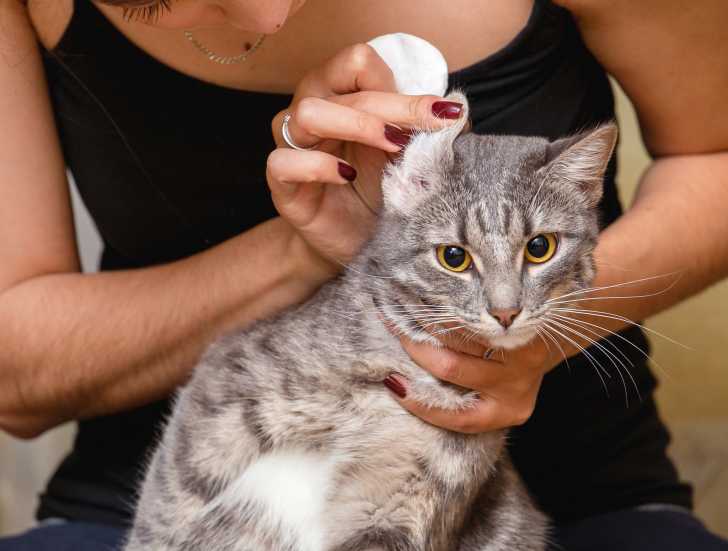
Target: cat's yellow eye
[541, 248]
[453, 258]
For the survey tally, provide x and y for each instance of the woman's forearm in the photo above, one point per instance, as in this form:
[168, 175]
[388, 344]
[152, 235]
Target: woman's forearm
[675, 228]
[74, 345]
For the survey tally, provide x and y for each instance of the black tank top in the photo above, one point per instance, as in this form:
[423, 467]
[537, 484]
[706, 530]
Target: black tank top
[169, 165]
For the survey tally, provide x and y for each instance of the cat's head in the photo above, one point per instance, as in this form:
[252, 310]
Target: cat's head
[482, 231]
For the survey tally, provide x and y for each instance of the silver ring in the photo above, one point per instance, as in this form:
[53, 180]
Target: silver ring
[287, 135]
[488, 353]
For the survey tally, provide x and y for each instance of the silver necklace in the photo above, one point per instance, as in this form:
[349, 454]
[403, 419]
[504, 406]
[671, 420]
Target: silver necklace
[221, 59]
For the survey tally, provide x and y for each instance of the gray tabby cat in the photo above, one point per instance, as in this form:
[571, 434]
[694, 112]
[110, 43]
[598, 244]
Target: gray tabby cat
[286, 439]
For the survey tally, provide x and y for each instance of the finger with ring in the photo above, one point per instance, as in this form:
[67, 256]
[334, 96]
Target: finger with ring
[286, 134]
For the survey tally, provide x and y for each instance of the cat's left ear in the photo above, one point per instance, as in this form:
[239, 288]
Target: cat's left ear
[580, 161]
[423, 164]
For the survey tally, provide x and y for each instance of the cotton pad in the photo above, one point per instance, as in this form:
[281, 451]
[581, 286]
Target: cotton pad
[418, 67]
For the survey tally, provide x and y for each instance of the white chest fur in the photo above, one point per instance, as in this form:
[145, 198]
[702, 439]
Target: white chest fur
[289, 489]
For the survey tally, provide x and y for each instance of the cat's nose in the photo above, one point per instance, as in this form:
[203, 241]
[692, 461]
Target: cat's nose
[505, 316]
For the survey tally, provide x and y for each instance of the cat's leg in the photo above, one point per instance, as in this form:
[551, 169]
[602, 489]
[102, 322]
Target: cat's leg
[504, 517]
[206, 445]
[181, 511]
[240, 425]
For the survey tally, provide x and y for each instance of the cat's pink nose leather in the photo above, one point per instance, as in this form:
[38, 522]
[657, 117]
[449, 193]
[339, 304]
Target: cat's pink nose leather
[505, 316]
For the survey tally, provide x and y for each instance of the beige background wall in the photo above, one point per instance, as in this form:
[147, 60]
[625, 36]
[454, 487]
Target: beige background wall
[693, 395]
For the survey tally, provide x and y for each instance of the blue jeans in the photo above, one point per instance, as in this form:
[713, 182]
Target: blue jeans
[66, 536]
[663, 529]
[633, 530]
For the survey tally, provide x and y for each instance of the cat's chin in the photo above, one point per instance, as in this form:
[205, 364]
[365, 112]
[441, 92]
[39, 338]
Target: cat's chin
[510, 341]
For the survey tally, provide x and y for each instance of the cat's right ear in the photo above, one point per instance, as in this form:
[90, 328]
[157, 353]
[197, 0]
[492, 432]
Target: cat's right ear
[580, 161]
[424, 163]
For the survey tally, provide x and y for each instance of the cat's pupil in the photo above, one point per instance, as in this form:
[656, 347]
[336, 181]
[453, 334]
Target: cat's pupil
[538, 247]
[454, 256]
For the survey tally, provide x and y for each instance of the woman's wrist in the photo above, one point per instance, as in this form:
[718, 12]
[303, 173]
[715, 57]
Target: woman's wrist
[306, 266]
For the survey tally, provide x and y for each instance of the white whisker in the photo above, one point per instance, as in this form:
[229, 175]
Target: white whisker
[418, 305]
[610, 356]
[623, 284]
[621, 337]
[600, 336]
[584, 299]
[470, 336]
[581, 324]
[447, 330]
[352, 269]
[628, 321]
[558, 345]
[586, 353]
[545, 342]
[529, 210]
[437, 322]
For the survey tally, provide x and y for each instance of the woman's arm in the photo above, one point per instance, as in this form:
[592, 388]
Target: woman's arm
[677, 225]
[669, 57]
[75, 345]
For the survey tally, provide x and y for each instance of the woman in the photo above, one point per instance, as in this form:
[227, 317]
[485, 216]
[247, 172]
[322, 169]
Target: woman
[168, 147]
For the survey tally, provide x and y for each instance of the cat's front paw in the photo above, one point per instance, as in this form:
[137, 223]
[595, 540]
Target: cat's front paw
[433, 393]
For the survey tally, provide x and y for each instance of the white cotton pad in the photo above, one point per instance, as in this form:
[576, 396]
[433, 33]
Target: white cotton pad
[418, 67]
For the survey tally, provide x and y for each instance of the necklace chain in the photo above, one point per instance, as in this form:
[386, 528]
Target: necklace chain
[221, 59]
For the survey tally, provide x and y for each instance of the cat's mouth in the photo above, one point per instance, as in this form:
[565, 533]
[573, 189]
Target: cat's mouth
[434, 324]
[513, 337]
[519, 333]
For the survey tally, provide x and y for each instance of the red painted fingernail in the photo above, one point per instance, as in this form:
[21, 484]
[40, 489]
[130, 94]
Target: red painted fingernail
[347, 172]
[395, 386]
[447, 109]
[395, 135]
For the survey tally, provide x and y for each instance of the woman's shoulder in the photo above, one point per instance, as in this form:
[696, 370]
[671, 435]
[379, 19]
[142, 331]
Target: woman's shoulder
[50, 19]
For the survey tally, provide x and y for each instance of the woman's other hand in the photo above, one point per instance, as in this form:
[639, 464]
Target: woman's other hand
[349, 112]
[508, 382]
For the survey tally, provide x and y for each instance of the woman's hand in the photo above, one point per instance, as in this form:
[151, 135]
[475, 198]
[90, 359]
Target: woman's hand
[349, 111]
[508, 382]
